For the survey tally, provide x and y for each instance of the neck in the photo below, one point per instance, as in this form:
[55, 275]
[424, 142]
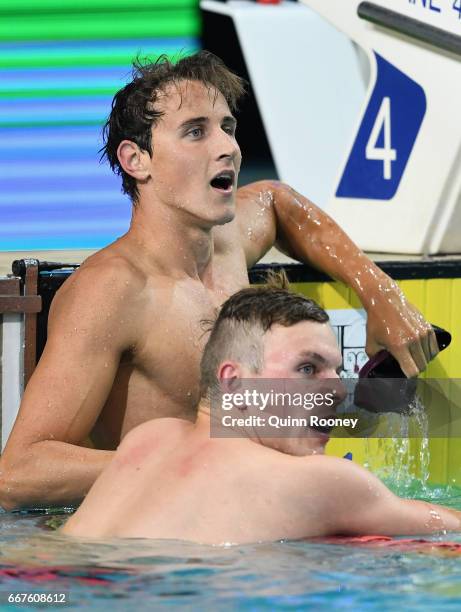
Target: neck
[209, 423]
[171, 239]
[211, 417]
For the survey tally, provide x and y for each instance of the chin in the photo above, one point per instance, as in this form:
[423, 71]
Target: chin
[227, 216]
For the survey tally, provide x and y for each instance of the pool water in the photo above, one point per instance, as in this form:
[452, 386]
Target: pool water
[144, 574]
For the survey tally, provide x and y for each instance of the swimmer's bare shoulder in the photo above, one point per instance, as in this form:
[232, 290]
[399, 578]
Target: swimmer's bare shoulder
[106, 278]
[256, 220]
[134, 472]
[270, 213]
[95, 303]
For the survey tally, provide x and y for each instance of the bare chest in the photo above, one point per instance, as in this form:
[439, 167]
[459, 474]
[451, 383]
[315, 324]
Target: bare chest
[176, 332]
[162, 376]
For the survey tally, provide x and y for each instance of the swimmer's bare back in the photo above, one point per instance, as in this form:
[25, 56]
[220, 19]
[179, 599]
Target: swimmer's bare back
[170, 480]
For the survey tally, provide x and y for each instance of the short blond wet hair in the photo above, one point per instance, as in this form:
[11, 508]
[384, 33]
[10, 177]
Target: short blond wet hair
[244, 318]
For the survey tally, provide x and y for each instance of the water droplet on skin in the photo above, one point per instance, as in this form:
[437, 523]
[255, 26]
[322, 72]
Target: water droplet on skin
[266, 198]
[435, 522]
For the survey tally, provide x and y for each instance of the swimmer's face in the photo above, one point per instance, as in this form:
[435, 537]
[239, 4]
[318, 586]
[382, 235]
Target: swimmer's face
[306, 351]
[193, 143]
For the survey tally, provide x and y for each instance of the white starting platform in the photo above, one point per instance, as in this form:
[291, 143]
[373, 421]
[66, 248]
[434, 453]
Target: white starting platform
[361, 113]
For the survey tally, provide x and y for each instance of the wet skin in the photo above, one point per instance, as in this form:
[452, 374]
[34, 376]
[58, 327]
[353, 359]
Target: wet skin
[125, 338]
[170, 479]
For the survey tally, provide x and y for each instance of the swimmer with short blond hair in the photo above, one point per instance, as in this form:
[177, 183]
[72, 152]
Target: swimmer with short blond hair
[172, 479]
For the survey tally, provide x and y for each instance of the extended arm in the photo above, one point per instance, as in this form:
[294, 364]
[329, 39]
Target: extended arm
[276, 214]
[45, 461]
[355, 502]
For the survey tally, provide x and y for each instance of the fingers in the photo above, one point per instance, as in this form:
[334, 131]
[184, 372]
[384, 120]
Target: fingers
[415, 356]
[409, 338]
[426, 346]
[406, 361]
[429, 344]
[433, 344]
[417, 352]
[424, 349]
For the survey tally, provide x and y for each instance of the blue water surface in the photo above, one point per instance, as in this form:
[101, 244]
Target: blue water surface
[143, 574]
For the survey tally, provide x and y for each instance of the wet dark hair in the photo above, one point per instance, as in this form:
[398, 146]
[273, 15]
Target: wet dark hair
[133, 108]
[245, 317]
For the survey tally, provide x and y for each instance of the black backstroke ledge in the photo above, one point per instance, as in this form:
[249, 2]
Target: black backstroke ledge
[410, 27]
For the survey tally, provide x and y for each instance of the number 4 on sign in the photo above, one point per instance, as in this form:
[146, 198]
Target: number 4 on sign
[457, 7]
[385, 154]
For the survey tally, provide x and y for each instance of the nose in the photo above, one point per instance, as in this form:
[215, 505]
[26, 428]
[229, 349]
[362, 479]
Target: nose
[339, 390]
[332, 383]
[227, 148]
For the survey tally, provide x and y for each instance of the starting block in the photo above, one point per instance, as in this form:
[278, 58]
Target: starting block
[399, 187]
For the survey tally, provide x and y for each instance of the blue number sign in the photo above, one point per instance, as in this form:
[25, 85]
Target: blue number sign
[386, 136]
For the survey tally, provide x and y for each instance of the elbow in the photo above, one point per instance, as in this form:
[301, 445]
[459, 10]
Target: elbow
[8, 499]
[12, 487]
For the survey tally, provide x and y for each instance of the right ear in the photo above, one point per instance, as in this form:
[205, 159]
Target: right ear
[134, 160]
[229, 374]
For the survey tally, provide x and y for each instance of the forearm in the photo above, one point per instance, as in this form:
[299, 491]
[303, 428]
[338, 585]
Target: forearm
[49, 472]
[310, 235]
[417, 517]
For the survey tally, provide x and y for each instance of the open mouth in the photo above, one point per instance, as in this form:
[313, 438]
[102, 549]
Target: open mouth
[224, 181]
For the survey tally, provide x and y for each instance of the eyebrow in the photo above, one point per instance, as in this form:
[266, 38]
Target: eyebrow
[229, 119]
[320, 358]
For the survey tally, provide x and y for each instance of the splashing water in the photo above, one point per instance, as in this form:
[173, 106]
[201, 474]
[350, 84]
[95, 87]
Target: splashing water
[418, 412]
[404, 457]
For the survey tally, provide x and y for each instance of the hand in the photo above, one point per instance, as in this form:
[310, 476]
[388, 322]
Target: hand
[396, 325]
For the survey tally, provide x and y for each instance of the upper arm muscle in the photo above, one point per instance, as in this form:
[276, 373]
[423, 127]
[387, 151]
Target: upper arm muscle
[75, 374]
